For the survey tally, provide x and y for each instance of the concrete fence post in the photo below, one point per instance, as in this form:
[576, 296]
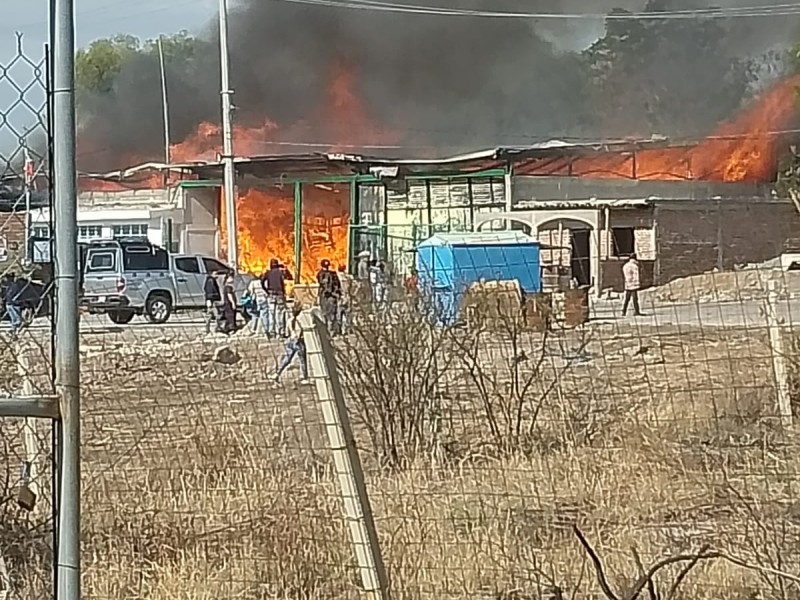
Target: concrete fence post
[778, 353]
[29, 490]
[346, 461]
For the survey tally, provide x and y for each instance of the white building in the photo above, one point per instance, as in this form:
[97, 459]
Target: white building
[185, 218]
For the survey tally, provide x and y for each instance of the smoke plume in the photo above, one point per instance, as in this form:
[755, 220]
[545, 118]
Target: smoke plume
[445, 84]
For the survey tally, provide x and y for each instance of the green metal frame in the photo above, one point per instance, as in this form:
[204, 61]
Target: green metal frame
[354, 181]
[200, 183]
[298, 229]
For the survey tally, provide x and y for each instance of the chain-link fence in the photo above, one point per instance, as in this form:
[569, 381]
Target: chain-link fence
[26, 453]
[513, 446]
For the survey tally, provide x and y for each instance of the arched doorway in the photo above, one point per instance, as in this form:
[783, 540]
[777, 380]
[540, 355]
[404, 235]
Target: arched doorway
[571, 243]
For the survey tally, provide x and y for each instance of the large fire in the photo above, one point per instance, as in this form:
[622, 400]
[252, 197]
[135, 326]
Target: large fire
[266, 225]
[744, 149]
[266, 213]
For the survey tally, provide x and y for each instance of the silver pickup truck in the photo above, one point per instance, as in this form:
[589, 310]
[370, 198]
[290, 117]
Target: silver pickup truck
[123, 278]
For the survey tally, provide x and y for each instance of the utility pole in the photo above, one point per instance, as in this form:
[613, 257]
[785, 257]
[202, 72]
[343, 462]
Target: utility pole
[229, 175]
[165, 107]
[65, 203]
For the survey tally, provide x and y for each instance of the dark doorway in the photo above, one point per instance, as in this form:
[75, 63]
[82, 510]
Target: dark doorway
[580, 258]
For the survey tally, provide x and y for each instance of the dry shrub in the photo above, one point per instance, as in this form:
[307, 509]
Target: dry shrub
[392, 367]
[214, 514]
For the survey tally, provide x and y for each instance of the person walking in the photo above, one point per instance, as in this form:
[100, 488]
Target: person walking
[257, 292]
[631, 273]
[13, 301]
[228, 306]
[295, 348]
[330, 289]
[213, 297]
[274, 283]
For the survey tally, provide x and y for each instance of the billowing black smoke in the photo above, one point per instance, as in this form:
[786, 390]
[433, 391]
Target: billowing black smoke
[445, 84]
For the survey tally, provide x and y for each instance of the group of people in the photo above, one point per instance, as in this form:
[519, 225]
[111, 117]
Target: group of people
[265, 302]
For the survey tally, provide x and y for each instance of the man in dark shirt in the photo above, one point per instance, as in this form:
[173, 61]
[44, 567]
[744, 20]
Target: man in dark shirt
[13, 300]
[274, 282]
[330, 290]
[228, 305]
[213, 298]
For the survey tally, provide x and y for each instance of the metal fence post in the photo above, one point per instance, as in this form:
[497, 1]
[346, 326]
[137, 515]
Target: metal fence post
[346, 461]
[67, 359]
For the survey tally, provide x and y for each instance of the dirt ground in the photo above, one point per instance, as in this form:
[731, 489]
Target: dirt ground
[201, 480]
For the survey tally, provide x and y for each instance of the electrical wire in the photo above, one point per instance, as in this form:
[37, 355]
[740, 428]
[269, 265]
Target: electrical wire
[773, 10]
[657, 144]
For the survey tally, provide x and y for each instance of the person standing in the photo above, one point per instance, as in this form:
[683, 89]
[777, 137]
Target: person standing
[346, 298]
[631, 273]
[213, 297]
[379, 281]
[13, 301]
[411, 285]
[362, 294]
[274, 282]
[362, 269]
[330, 289]
[256, 291]
[295, 348]
[228, 306]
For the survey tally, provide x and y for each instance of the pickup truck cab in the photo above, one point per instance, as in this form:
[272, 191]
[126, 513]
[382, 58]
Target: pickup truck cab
[127, 277]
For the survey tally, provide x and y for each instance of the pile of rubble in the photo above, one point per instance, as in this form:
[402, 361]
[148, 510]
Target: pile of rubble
[727, 286]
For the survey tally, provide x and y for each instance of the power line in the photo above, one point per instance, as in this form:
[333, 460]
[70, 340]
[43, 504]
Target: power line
[774, 10]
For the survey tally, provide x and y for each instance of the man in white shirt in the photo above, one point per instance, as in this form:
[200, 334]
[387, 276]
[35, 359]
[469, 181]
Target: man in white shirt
[631, 273]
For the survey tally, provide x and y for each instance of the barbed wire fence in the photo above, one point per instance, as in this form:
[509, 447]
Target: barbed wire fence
[26, 442]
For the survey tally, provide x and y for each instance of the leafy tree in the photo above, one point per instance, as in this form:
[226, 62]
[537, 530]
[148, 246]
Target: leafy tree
[97, 66]
[672, 76]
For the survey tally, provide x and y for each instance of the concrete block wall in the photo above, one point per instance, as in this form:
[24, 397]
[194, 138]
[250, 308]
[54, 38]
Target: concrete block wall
[696, 237]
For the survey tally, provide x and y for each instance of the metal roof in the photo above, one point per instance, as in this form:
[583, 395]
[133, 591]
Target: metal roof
[479, 238]
[358, 163]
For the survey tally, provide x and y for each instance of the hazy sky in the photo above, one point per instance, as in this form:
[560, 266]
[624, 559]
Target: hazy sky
[93, 19]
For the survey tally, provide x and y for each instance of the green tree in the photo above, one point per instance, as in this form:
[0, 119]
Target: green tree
[97, 66]
[670, 76]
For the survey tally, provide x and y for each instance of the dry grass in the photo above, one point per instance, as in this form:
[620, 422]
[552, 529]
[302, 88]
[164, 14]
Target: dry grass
[201, 482]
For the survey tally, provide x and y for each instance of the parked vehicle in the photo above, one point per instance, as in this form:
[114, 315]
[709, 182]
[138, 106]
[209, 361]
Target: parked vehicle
[127, 277]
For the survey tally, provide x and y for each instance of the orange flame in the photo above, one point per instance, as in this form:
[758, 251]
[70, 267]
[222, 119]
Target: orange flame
[745, 149]
[266, 216]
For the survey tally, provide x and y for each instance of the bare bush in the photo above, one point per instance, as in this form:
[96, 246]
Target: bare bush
[392, 366]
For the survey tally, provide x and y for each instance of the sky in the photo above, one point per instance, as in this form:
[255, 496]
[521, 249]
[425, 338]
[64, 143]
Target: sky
[93, 19]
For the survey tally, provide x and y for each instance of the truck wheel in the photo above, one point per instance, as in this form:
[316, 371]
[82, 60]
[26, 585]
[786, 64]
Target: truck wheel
[121, 317]
[158, 308]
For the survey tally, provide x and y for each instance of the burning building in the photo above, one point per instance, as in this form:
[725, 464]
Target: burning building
[683, 208]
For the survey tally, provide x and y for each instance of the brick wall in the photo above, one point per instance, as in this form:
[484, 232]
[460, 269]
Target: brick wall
[694, 237]
[12, 230]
